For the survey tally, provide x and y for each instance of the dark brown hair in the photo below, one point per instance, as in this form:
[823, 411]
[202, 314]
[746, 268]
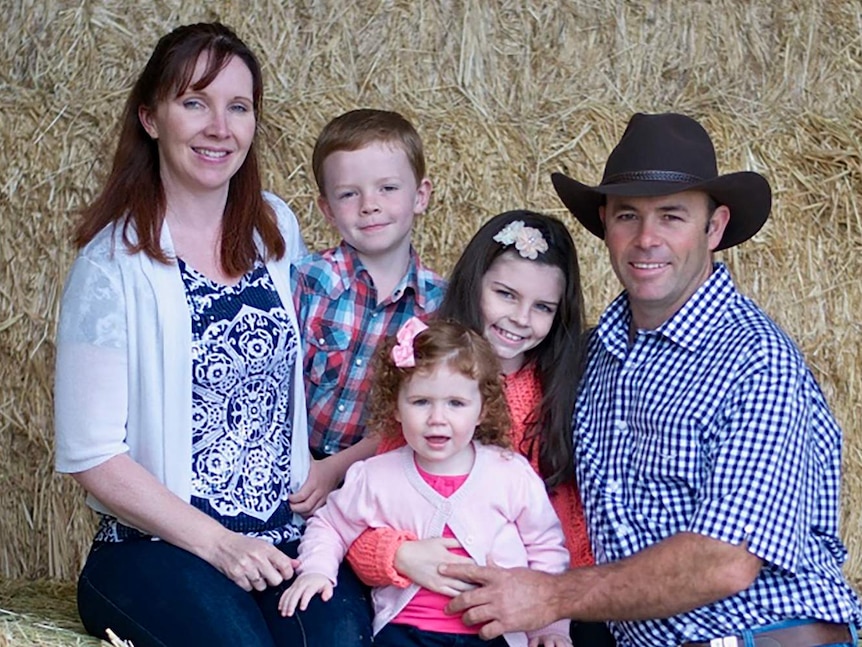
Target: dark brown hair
[465, 351]
[558, 359]
[357, 128]
[133, 194]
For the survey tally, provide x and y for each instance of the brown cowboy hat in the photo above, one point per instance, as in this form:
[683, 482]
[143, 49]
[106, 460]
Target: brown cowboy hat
[664, 154]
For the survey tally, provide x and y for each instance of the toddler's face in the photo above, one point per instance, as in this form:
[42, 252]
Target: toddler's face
[371, 196]
[439, 411]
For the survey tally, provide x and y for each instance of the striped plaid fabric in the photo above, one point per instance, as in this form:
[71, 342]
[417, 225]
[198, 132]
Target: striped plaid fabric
[713, 424]
[342, 323]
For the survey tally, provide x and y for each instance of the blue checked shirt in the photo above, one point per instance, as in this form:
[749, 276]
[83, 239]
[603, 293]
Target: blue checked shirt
[342, 323]
[713, 424]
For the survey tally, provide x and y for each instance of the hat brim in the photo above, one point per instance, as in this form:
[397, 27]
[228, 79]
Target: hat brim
[746, 194]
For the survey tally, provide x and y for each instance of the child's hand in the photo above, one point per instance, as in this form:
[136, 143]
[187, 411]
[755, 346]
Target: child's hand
[323, 477]
[419, 560]
[551, 640]
[302, 590]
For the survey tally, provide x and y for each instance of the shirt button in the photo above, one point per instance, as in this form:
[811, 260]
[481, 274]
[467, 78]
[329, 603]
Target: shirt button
[359, 362]
[374, 315]
[321, 341]
[624, 529]
[749, 528]
[341, 407]
[614, 487]
[469, 540]
[621, 426]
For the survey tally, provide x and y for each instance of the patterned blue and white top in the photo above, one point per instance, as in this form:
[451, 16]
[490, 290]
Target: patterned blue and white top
[713, 424]
[243, 356]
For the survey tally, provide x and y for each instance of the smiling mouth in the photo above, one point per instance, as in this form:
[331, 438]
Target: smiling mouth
[648, 266]
[211, 154]
[505, 334]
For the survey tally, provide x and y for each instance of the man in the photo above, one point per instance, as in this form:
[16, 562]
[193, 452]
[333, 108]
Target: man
[708, 460]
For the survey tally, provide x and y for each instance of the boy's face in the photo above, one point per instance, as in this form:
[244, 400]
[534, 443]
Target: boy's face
[371, 196]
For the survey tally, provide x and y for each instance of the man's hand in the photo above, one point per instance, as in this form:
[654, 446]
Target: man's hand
[516, 599]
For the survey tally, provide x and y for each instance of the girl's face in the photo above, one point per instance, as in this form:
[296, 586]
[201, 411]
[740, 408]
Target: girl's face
[439, 411]
[519, 301]
[204, 135]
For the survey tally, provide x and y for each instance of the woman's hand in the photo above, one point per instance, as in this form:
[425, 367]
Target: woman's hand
[302, 590]
[419, 561]
[251, 563]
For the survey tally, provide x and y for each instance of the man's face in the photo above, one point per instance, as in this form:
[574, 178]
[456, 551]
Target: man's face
[661, 249]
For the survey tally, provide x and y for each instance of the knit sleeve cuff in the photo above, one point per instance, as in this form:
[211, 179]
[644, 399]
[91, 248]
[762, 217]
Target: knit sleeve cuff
[372, 556]
[386, 558]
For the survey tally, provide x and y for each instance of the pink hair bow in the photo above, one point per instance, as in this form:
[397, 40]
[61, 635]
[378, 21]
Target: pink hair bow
[402, 352]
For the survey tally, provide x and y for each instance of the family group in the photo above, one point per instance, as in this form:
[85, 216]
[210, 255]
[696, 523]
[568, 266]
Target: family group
[342, 448]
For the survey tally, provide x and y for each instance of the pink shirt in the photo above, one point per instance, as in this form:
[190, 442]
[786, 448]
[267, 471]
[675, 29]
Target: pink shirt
[425, 610]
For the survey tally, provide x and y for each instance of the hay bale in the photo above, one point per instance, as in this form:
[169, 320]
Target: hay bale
[503, 93]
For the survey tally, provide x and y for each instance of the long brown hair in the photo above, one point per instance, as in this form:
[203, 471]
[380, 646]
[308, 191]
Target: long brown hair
[558, 360]
[133, 194]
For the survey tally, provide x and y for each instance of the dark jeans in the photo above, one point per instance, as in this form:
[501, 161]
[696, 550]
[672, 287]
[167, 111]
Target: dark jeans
[591, 634]
[153, 593]
[397, 635]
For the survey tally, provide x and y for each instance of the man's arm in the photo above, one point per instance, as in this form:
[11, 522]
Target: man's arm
[678, 574]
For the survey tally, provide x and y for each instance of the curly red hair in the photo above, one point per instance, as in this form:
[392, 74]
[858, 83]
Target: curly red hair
[465, 351]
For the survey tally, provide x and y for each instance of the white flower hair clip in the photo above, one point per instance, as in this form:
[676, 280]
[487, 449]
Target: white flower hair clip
[527, 240]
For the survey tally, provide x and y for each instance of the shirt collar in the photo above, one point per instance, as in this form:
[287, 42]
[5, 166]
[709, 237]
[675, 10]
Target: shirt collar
[686, 327]
[350, 267]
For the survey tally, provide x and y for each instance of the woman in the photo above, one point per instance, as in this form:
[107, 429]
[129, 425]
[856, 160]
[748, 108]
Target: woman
[179, 398]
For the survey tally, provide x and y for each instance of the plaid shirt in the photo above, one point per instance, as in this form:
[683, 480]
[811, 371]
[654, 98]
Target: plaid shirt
[342, 323]
[713, 424]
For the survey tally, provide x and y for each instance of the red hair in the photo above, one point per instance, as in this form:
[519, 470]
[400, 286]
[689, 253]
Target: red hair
[466, 352]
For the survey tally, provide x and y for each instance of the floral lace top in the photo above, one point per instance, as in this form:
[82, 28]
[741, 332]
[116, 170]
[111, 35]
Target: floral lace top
[243, 353]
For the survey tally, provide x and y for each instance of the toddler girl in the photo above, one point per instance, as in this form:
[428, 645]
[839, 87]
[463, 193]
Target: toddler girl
[438, 387]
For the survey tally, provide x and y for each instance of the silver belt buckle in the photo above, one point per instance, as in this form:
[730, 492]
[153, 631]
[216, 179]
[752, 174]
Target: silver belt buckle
[727, 641]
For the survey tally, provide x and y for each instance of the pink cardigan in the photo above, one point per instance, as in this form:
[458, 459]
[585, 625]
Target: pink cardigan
[501, 511]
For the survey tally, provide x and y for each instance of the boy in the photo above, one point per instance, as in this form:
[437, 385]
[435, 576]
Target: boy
[370, 171]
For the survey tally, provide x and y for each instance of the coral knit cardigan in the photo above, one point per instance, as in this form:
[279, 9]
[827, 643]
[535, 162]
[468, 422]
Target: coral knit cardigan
[372, 555]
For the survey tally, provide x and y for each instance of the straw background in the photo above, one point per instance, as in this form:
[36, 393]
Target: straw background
[503, 93]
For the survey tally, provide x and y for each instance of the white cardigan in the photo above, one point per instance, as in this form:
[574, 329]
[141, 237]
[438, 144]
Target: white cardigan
[123, 380]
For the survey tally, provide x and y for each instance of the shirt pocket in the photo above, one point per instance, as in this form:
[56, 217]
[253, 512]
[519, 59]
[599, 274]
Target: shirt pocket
[328, 346]
[668, 464]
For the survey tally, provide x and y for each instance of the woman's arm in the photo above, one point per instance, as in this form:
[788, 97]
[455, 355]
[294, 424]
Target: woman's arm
[132, 493]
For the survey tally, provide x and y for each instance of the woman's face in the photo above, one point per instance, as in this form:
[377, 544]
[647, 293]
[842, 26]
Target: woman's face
[519, 302]
[204, 135]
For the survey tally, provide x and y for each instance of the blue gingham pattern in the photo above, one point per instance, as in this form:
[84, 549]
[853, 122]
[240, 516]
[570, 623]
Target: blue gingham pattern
[342, 323]
[713, 424]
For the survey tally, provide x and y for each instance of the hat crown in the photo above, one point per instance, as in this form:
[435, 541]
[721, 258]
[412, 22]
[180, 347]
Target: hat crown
[661, 144]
